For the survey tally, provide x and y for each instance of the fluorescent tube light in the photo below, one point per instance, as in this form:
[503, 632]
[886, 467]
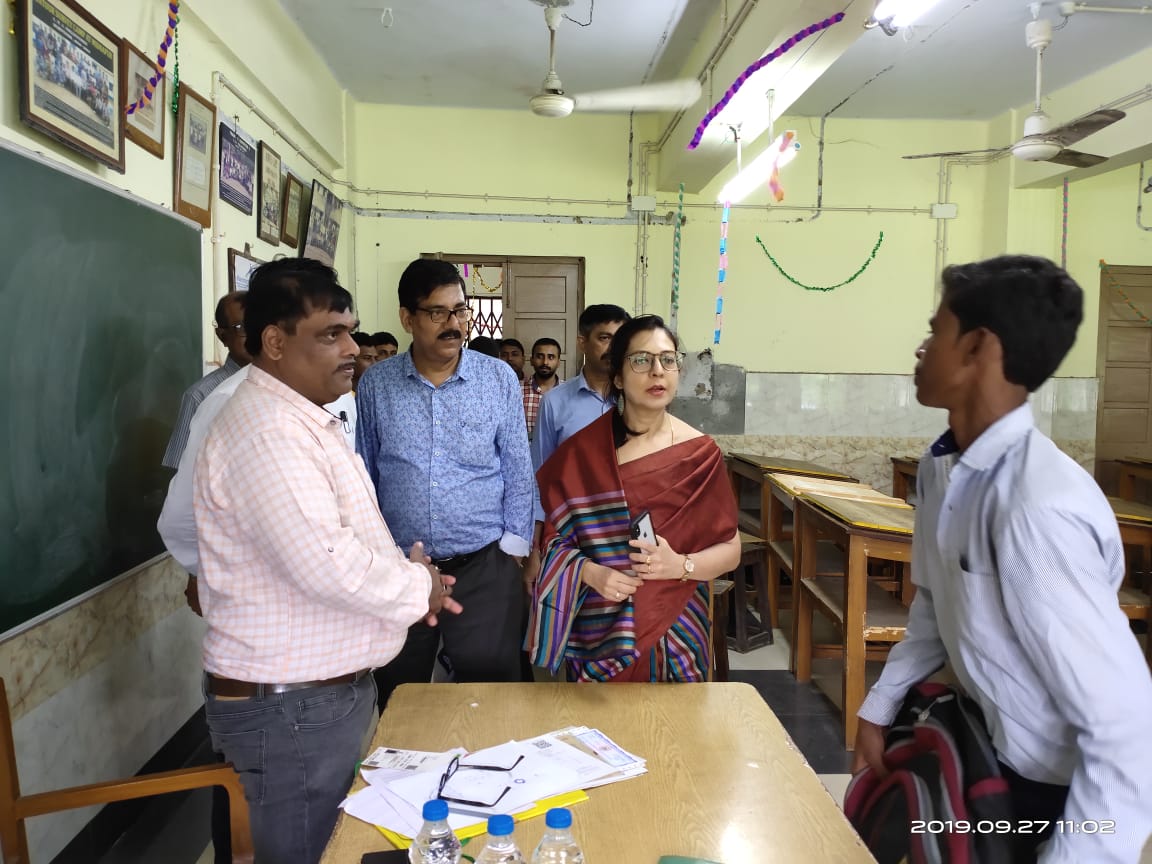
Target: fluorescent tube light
[778, 154]
[901, 13]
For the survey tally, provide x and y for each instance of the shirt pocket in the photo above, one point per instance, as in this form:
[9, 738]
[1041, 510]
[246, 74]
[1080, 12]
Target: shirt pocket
[472, 441]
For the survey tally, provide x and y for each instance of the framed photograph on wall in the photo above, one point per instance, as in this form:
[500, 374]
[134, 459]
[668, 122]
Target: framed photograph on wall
[291, 210]
[240, 267]
[70, 81]
[195, 147]
[237, 167]
[323, 230]
[144, 126]
[268, 198]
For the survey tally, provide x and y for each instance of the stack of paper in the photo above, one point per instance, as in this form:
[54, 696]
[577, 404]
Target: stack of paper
[522, 778]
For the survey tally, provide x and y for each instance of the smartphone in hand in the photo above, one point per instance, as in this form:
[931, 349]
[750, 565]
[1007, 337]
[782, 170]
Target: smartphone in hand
[642, 529]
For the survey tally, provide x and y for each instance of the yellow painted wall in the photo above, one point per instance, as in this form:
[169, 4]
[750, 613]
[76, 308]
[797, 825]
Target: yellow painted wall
[211, 40]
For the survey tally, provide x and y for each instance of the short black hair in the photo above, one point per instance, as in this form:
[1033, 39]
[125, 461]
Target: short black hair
[512, 343]
[600, 313]
[362, 339]
[1033, 306]
[422, 277]
[238, 297]
[384, 338]
[547, 340]
[617, 354]
[485, 345]
[287, 290]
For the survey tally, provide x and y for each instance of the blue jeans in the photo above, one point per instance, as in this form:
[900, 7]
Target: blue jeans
[296, 756]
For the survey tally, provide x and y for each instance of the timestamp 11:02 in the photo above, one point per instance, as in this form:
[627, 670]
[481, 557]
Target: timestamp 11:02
[1005, 826]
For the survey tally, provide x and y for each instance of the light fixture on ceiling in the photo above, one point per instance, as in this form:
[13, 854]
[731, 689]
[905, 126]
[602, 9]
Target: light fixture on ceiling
[891, 15]
[778, 154]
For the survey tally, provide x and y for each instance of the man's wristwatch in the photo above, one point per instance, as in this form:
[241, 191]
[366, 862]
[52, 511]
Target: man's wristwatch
[689, 568]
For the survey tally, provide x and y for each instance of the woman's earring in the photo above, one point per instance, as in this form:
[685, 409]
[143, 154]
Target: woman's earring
[620, 404]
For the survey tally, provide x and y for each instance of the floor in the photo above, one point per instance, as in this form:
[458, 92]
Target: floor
[177, 831]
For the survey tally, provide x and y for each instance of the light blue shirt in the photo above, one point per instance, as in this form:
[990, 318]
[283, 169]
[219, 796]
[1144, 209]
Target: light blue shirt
[1017, 561]
[450, 464]
[564, 410]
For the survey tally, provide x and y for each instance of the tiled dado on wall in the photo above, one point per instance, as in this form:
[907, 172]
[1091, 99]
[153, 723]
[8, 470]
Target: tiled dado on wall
[854, 423]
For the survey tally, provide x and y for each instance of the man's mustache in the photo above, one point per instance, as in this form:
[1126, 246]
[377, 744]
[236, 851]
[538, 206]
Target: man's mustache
[451, 334]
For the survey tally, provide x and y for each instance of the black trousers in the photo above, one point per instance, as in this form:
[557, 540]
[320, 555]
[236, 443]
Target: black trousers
[1033, 801]
[483, 643]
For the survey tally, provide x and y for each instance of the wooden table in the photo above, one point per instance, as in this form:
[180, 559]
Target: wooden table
[752, 469]
[1134, 519]
[904, 470]
[866, 613]
[724, 780]
[1132, 468]
[782, 551]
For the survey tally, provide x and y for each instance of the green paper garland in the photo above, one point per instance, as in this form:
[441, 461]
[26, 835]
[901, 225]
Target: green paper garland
[852, 278]
[176, 67]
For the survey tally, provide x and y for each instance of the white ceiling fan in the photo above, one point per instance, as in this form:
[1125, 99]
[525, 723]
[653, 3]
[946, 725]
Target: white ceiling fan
[1042, 142]
[552, 101]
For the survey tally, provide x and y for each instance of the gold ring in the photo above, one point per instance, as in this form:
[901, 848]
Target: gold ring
[649, 562]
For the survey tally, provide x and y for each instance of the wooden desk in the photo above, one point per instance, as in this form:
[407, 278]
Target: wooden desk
[866, 529]
[904, 470]
[724, 781]
[782, 551]
[1134, 519]
[1132, 468]
[750, 469]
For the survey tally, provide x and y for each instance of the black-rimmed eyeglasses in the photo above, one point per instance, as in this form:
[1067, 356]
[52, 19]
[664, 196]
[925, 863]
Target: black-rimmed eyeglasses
[641, 361]
[230, 328]
[456, 765]
[439, 316]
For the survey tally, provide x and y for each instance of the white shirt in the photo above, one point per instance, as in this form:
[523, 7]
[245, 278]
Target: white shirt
[177, 524]
[1017, 560]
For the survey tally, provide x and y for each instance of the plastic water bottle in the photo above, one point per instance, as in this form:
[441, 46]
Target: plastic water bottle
[436, 843]
[558, 846]
[501, 848]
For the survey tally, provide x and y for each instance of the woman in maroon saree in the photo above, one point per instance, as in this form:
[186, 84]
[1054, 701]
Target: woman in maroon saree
[606, 607]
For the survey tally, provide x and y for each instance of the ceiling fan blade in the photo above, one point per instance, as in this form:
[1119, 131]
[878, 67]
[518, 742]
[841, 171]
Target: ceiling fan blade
[664, 96]
[955, 153]
[1077, 159]
[1085, 125]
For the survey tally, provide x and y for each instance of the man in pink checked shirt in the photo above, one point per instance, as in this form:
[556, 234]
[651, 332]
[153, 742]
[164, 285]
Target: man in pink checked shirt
[303, 589]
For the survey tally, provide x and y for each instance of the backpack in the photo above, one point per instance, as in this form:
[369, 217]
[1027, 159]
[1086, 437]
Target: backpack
[944, 800]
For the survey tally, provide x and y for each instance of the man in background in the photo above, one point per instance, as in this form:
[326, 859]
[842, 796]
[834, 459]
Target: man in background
[512, 353]
[385, 344]
[302, 585]
[441, 431]
[485, 345]
[230, 332]
[365, 356]
[545, 360]
[571, 406]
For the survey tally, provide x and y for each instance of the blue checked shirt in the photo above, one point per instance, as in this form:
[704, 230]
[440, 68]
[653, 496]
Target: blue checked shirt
[450, 463]
[1017, 560]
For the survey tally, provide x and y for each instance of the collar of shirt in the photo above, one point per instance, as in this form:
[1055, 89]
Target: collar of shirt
[231, 365]
[585, 386]
[305, 406]
[992, 442]
[464, 369]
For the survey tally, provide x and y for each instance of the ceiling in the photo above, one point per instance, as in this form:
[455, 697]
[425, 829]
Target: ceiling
[494, 53]
[967, 59]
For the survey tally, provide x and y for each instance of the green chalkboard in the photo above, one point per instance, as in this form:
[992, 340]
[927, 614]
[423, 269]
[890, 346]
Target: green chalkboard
[100, 332]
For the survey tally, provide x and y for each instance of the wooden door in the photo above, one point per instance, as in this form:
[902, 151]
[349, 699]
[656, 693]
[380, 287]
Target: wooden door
[1124, 367]
[544, 298]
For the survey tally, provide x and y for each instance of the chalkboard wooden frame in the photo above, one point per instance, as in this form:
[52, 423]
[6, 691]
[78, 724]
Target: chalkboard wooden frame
[44, 103]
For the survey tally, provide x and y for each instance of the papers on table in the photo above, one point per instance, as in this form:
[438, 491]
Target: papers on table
[513, 778]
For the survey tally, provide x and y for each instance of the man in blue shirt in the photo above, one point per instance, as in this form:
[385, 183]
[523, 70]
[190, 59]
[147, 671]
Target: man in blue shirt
[569, 407]
[442, 433]
[1017, 560]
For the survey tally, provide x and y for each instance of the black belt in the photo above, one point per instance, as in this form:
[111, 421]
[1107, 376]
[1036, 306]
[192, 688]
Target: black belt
[218, 686]
[455, 562]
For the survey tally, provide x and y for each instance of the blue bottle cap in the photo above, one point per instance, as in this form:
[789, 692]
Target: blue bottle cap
[435, 810]
[500, 826]
[559, 818]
